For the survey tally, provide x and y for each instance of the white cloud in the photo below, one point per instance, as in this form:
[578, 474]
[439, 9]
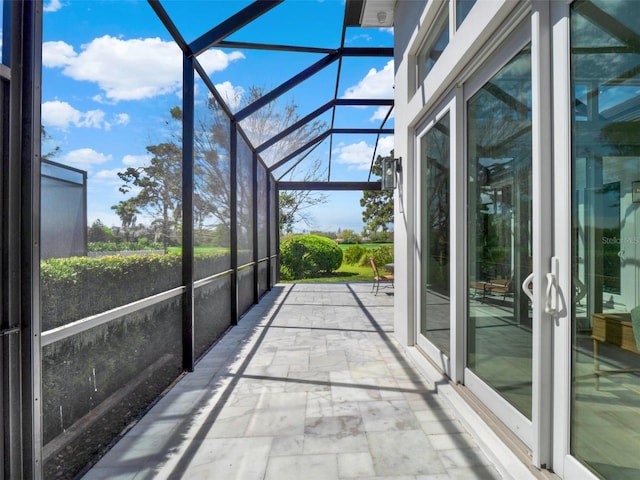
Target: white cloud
[59, 114]
[376, 84]
[231, 95]
[57, 54]
[53, 6]
[131, 69]
[92, 118]
[213, 60]
[136, 160]
[385, 145]
[84, 158]
[107, 176]
[356, 155]
[381, 113]
[122, 119]
[62, 115]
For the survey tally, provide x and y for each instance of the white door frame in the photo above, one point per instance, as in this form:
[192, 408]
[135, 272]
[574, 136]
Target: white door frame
[448, 106]
[535, 433]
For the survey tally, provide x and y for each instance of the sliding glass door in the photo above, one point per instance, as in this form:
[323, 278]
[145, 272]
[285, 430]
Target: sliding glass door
[500, 232]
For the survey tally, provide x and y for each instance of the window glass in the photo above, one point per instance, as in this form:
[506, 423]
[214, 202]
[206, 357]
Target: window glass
[433, 47]
[463, 7]
[500, 232]
[605, 66]
[435, 234]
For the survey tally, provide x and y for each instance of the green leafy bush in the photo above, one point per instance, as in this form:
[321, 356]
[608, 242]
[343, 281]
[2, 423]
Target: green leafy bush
[353, 254]
[303, 256]
[381, 256]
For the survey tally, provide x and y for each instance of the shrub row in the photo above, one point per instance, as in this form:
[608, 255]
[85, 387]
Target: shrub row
[118, 246]
[77, 287]
[381, 255]
[358, 255]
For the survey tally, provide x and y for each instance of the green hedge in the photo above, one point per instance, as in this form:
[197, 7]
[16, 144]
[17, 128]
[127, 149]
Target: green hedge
[304, 256]
[353, 254]
[122, 246]
[381, 256]
[77, 287]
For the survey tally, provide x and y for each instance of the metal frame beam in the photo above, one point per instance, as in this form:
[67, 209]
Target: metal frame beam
[327, 186]
[188, 129]
[288, 85]
[232, 24]
[297, 152]
[319, 111]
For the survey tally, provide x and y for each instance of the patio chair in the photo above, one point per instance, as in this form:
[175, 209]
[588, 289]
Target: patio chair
[377, 277]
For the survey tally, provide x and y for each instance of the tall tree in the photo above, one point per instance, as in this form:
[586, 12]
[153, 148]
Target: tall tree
[378, 205]
[127, 211]
[160, 187]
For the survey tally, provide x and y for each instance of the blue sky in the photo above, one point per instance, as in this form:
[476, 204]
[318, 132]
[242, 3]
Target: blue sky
[111, 73]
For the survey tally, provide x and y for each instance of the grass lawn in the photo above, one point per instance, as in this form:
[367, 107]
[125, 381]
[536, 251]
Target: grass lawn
[346, 273]
[367, 246]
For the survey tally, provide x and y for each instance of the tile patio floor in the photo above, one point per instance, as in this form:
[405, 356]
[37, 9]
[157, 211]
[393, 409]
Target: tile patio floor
[310, 385]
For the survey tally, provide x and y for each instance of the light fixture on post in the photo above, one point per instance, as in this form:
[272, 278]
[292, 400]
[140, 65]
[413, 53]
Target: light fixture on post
[390, 166]
[382, 17]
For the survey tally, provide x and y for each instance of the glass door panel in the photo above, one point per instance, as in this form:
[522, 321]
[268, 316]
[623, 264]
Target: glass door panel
[500, 232]
[605, 395]
[435, 324]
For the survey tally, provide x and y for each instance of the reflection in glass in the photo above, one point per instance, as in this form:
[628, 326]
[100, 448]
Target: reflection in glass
[435, 235]
[499, 226]
[463, 7]
[605, 63]
[433, 47]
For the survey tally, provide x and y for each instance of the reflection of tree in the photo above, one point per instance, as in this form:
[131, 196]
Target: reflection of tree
[437, 204]
[500, 156]
[378, 205]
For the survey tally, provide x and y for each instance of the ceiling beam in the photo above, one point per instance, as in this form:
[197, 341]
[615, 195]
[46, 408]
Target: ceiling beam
[286, 86]
[333, 185]
[232, 24]
[316, 140]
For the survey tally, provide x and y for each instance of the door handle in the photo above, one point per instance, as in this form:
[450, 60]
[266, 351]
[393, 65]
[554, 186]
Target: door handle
[551, 300]
[525, 286]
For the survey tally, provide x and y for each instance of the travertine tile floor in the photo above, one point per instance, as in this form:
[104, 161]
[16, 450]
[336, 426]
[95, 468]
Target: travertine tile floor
[310, 385]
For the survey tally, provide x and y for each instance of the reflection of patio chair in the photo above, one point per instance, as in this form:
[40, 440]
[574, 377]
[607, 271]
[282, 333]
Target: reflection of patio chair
[377, 277]
[501, 285]
[497, 285]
